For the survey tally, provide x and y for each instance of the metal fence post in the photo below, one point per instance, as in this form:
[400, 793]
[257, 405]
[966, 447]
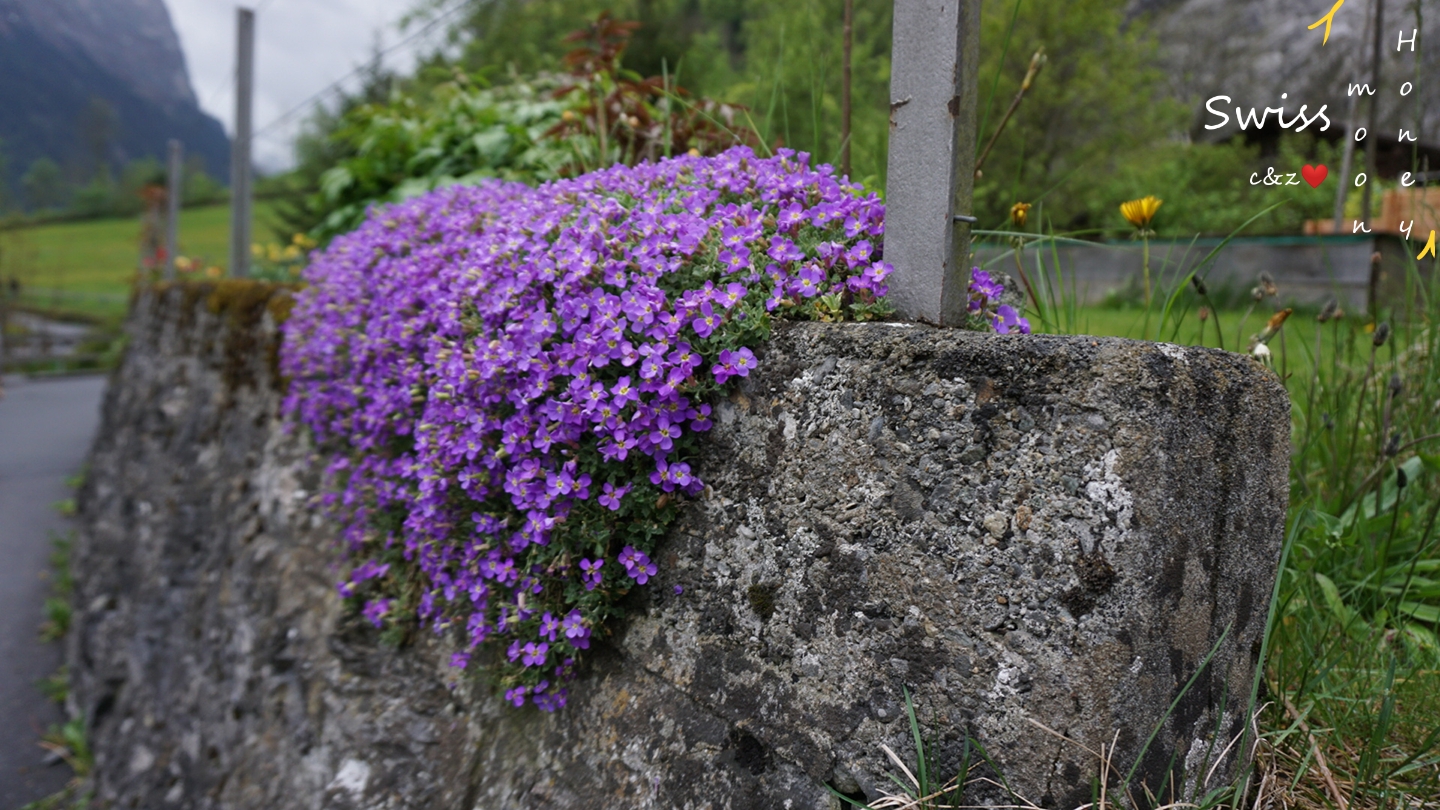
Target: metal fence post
[933, 101]
[172, 207]
[240, 161]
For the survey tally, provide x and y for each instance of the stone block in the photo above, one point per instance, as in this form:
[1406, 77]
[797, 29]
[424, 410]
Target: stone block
[1032, 536]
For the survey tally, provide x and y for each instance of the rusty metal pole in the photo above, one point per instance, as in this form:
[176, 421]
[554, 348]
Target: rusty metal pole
[934, 91]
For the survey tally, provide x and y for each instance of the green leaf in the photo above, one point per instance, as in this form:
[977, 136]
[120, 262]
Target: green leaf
[493, 145]
[1332, 598]
[335, 181]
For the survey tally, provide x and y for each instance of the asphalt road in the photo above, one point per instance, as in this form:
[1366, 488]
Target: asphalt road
[45, 431]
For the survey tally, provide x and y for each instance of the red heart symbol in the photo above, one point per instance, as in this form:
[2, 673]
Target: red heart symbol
[1314, 175]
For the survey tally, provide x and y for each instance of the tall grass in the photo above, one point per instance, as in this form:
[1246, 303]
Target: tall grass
[1355, 650]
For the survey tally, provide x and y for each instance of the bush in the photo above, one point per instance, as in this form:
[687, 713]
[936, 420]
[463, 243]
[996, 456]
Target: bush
[510, 382]
[460, 134]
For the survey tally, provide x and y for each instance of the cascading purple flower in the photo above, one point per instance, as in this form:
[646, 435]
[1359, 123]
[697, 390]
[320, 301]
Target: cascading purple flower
[985, 294]
[509, 380]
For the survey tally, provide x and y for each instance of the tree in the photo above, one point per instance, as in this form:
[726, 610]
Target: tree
[44, 185]
[1100, 100]
[5, 201]
[99, 124]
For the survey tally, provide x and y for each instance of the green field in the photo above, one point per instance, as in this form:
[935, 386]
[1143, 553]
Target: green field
[88, 267]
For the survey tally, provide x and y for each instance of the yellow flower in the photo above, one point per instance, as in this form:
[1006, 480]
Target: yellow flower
[1140, 212]
[1019, 214]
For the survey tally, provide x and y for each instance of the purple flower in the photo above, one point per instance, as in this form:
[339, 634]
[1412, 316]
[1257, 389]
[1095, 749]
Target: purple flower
[375, 611]
[532, 653]
[611, 495]
[737, 363]
[627, 557]
[707, 322]
[640, 568]
[810, 281]
[576, 632]
[783, 250]
[1007, 320]
[983, 288]
[591, 573]
[669, 476]
[732, 295]
[549, 626]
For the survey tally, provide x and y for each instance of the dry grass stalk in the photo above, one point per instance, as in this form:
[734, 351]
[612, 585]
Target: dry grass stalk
[1320, 763]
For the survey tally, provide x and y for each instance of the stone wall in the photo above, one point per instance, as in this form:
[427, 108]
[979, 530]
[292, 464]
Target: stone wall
[1018, 530]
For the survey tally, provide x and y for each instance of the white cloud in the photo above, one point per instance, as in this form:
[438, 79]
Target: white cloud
[301, 47]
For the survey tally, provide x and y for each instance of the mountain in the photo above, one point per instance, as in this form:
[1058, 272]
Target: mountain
[84, 81]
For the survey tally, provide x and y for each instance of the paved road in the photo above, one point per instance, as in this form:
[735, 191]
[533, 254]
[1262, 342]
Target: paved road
[45, 432]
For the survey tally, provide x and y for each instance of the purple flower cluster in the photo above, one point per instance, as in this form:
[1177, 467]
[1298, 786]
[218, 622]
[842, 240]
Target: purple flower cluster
[985, 304]
[508, 380]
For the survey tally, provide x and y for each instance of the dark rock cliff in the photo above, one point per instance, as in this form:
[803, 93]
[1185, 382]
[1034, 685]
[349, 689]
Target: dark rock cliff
[1016, 530]
[58, 55]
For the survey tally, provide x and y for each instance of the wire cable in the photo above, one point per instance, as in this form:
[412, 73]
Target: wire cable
[317, 96]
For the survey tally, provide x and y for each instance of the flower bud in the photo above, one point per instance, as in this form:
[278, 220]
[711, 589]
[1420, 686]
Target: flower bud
[1382, 334]
[1019, 214]
[1267, 285]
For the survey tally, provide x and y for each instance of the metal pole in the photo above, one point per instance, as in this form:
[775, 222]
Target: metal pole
[931, 183]
[240, 165]
[172, 203]
[845, 88]
[1370, 136]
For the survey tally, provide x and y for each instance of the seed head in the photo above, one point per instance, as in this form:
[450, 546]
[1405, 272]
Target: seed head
[1267, 285]
[1330, 310]
[1382, 334]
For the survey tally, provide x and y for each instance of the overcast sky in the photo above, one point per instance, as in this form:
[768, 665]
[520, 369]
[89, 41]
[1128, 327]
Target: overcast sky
[301, 47]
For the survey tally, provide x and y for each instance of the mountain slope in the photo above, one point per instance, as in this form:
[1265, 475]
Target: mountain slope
[57, 57]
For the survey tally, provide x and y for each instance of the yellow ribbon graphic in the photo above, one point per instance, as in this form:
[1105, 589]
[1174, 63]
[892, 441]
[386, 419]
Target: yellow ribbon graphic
[1327, 19]
[1429, 248]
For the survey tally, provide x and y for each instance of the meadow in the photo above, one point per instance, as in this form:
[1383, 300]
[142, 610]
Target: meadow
[85, 269]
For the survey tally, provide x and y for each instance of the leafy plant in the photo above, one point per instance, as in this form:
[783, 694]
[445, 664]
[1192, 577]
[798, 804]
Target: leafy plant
[620, 118]
[459, 133]
[920, 789]
[58, 611]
